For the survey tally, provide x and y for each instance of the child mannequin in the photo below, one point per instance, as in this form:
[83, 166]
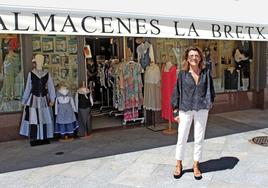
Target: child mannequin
[84, 101]
[65, 109]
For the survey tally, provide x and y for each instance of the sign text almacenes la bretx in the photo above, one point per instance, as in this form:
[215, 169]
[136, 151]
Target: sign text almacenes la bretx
[34, 23]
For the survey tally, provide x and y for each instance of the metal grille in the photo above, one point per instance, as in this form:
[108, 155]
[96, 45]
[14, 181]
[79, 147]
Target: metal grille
[260, 140]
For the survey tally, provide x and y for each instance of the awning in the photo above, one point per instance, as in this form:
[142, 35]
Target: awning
[206, 19]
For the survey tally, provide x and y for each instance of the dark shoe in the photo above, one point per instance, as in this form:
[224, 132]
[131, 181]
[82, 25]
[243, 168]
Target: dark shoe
[39, 142]
[197, 172]
[178, 172]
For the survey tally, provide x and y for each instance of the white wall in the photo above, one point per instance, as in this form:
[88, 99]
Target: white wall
[241, 11]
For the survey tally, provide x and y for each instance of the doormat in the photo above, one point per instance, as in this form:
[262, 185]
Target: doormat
[260, 140]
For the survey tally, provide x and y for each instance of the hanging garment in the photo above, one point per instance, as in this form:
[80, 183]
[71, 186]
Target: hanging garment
[145, 54]
[168, 82]
[117, 72]
[132, 87]
[37, 119]
[152, 94]
[65, 109]
[12, 68]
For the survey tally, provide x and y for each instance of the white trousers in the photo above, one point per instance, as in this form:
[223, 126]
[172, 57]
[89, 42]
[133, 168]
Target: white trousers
[200, 121]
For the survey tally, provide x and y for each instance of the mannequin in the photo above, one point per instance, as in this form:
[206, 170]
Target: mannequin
[169, 77]
[11, 72]
[242, 64]
[168, 65]
[231, 78]
[65, 110]
[38, 98]
[152, 95]
[178, 52]
[84, 101]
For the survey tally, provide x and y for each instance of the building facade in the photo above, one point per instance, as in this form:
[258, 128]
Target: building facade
[237, 54]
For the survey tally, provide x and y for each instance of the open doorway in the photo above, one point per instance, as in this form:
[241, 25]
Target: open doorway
[102, 53]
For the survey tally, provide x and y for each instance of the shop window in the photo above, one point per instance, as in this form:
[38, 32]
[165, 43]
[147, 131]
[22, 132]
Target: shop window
[231, 62]
[11, 73]
[60, 54]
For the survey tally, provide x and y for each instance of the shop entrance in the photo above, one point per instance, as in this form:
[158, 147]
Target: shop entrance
[101, 54]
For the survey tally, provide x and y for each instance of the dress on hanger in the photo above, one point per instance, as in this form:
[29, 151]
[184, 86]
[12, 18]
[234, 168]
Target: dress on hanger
[152, 95]
[132, 89]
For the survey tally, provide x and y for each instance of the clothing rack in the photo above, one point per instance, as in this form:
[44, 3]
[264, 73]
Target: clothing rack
[116, 113]
[102, 99]
[141, 119]
[133, 120]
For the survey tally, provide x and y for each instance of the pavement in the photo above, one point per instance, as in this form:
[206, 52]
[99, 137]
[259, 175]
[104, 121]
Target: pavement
[138, 157]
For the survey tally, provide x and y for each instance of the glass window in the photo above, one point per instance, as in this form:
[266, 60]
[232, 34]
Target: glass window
[60, 54]
[230, 62]
[11, 73]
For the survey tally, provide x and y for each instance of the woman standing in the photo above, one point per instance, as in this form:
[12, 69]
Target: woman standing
[192, 98]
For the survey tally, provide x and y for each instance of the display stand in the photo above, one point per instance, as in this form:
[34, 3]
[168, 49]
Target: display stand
[155, 127]
[66, 139]
[169, 131]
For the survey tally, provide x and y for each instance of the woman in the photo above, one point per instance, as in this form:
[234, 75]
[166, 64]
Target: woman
[192, 98]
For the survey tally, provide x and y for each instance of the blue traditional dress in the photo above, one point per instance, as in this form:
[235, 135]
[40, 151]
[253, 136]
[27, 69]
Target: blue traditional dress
[37, 120]
[65, 109]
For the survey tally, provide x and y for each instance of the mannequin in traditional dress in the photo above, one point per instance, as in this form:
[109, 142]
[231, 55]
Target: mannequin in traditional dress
[65, 110]
[38, 98]
[84, 101]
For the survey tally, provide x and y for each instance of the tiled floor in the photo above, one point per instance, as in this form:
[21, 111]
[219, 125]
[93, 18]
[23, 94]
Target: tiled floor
[142, 158]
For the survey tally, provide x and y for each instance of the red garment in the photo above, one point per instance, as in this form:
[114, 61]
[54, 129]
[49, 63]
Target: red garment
[13, 44]
[168, 83]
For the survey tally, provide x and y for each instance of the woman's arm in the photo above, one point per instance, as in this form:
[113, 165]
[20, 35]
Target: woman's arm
[175, 98]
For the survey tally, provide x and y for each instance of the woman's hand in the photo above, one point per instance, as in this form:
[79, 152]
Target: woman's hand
[177, 118]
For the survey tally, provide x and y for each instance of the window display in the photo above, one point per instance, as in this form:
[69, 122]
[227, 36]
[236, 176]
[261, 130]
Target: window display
[170, 50]
[11, 73]
[60, 54]
[230, 62]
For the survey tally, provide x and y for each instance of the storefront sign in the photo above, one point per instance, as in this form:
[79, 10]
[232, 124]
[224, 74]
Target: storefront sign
[34, 23]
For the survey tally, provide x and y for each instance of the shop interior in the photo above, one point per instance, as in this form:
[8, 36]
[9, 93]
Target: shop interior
[230, 62]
